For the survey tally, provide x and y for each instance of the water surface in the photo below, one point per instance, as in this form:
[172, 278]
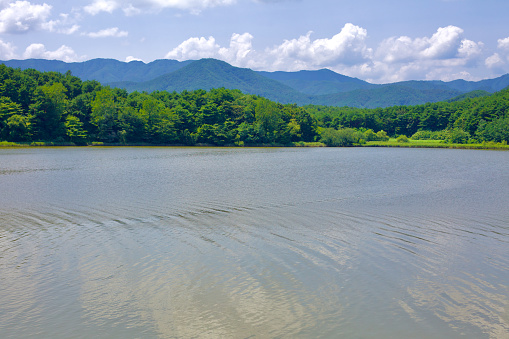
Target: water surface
[254, 243]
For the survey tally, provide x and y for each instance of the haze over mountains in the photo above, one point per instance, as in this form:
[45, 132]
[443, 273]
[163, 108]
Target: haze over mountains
[321, 87]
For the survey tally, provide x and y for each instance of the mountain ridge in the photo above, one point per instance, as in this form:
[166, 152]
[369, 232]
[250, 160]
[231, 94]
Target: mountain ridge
[321, 87]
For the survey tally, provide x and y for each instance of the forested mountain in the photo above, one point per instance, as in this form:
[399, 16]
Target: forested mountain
[211, 73]
[56, 107]
[322, 87]
[319, 82]
[385, 96]
[103, 70]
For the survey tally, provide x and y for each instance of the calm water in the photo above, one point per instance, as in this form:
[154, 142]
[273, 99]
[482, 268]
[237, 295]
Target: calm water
[254, 243]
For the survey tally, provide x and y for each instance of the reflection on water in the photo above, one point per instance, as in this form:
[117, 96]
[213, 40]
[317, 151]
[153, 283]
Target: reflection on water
[197, 242]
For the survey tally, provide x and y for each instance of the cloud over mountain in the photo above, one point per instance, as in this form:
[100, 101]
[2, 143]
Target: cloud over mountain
[347, 52]
[39, 51]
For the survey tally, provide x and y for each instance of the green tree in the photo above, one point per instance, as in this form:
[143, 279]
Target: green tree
[382, 136]
[402, 138]
[458, 136]
[48, 111]
[105, 114]
[340, 138]
[18, 128]
[74, 130]
[496, 130]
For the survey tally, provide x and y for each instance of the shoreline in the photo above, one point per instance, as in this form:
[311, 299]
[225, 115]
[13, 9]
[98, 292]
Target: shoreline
[393, 144]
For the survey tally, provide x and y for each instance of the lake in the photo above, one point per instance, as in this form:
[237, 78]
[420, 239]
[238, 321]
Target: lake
[154, 242]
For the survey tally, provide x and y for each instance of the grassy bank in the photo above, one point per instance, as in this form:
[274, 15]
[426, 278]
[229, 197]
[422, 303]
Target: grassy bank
[48, 144]
[435, 144]
[34, 144]
[390, 143]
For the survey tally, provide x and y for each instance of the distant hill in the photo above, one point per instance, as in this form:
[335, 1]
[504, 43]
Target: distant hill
[470, 95]
[103, 70]
[323, 81]
[321, 87]
[385, 96]
[211, 73]
[489, 85]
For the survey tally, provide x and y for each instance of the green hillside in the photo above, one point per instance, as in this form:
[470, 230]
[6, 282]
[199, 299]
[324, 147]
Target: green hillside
[61, 108]
[385, 96]
[211, 73]
[321, 87]
[103, 70]
[318, 82]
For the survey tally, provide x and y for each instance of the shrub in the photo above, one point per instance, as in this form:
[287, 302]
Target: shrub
[382, 136]
[341, 138]
[431, 135]
[402, 138]
[369, 135]
[458, 136]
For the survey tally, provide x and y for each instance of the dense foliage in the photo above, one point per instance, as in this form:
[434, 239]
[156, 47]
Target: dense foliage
[320, 87]
[57, 107]
[479, 119]
[51, 106]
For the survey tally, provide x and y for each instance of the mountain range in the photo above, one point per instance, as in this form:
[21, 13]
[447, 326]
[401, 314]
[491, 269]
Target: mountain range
[320, 87]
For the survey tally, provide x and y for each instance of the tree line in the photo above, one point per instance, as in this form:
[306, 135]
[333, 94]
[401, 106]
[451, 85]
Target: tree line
[55, 107]
[481, 119]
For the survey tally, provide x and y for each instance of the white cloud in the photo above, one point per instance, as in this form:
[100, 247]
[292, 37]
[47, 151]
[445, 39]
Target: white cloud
[7, 51]
[437, 57]
[38, 51]
[348, 47]
[22, 16]
[101, 6]
[446, 43]
[470, 49]
[444, 55]
[64, 25]
[503, 43]
[494, 61]
[443, 44]
[345, 48]
[113, 32]
[195, 48]
[130, 10]
[132, 7]
[238, 52]
[131, 58]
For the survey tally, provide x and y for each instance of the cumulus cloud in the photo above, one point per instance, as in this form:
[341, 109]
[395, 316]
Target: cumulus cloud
[39, 51]
[113, 32]
[348, 47]
[499, 61]
[494, 61]
[435, 57]
[445, 54]
[238, 52]
[446, 43]
[345, 48]
[503, 43]
[22, 16]
[443, 44]
[7, 51]
[132, 7]
[195, 48]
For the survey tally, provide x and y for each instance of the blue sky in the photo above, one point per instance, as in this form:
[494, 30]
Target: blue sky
[374, 40]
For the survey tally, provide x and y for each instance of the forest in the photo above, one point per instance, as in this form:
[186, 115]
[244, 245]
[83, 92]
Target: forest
[62, 109]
